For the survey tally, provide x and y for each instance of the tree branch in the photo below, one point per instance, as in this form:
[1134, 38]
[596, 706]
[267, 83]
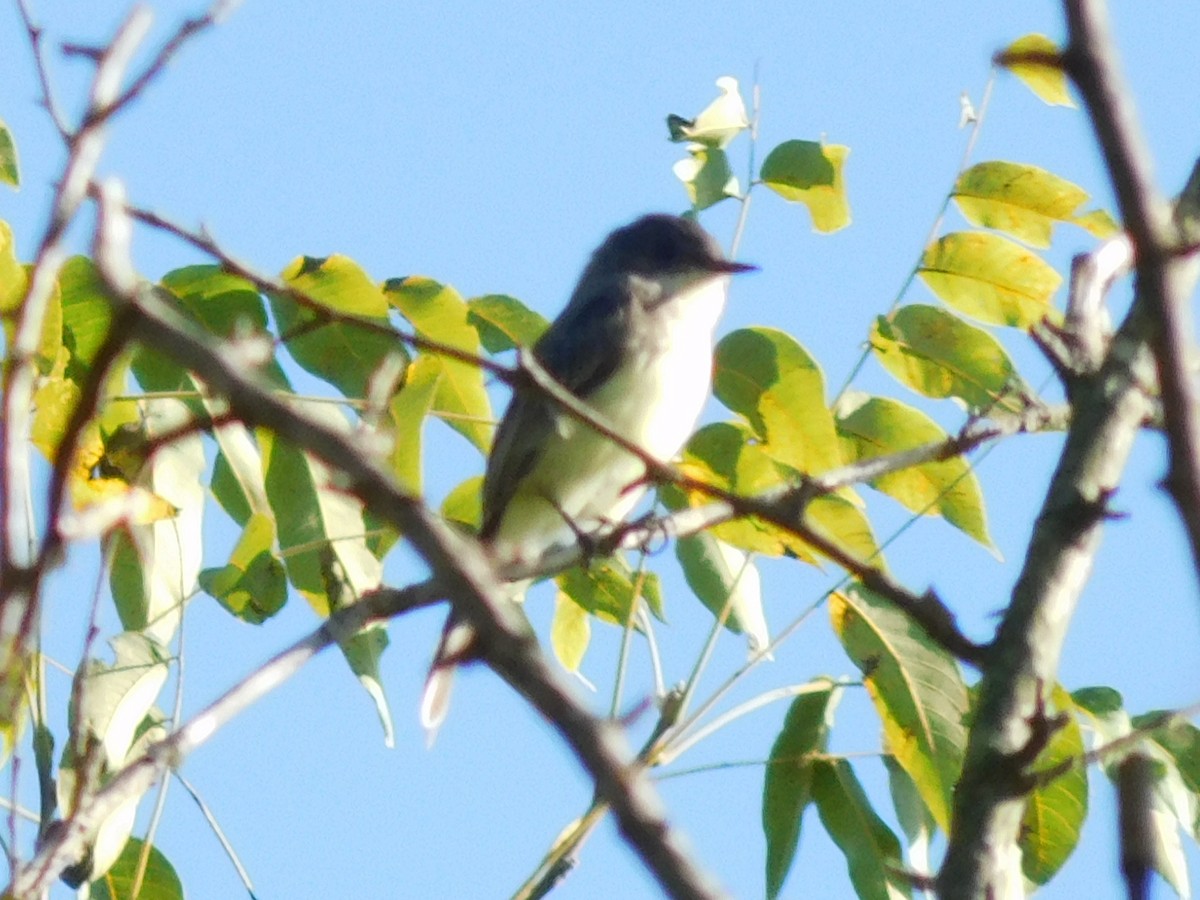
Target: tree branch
[459, 566]
[983, 858]
[18, 582]
[1163, 283]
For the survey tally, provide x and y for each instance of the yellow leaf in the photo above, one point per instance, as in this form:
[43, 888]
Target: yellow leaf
[809, 172]
[570, 632]
[1045, 79]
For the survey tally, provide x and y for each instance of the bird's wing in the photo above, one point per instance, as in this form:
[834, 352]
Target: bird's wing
[568, 353]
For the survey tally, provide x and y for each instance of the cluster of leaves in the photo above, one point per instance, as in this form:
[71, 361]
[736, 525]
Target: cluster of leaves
[140, 471]
[993, 275]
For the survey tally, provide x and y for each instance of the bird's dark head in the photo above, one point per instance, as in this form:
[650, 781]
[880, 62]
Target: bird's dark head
[662, 244]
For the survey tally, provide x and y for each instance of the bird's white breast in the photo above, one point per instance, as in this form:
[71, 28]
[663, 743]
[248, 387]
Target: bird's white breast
[654, 399]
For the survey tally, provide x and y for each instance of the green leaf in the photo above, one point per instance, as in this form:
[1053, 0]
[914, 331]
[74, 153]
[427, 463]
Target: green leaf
[1181, 741]
[721, 576]
[1056, 809]
[14, 280]
[872, 852]
[116, 698]
[238, 482]
[86, 311]
[570, 631]
[12, 273]
[54, 401]
[10, 170]
[1049, 82]
[363, 651]
[1021, 200]
[878, 426]
[253, 585]
[438, 313]
[607, 590]
[766, 376]
[917, 691]
[342, 353]
[990, 278]
[912, 814]
[1098, 222]
[109, 837]
[464, 503]
[722, 455]
[409, 407]
[720, 122]
[707, 176]
[159, 881]
[227, 305]
[728, 456]
[320, 526]
[322, 537]
[504, 323]
[787, 785]
[811, 173]
[939, 355]
[836, 517]
[166, 553]
[1099, 702]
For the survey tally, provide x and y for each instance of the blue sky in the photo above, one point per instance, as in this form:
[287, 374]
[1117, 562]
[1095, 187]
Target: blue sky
[492, 147]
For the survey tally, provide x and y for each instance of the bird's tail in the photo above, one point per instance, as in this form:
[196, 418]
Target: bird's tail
[455, 648]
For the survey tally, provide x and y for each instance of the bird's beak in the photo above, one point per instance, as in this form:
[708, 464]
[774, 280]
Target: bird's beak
[734, 268]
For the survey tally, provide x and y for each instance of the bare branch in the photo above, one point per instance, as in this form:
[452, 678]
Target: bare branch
[187, 30]
[35, 34]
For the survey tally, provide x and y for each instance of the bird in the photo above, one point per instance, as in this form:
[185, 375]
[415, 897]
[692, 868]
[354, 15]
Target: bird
[634, 343]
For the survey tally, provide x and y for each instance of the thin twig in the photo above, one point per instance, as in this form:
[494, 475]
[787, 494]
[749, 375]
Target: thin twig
[968, 149]
[35, 35]
[322, 314]
[188, 29]
[225, 843]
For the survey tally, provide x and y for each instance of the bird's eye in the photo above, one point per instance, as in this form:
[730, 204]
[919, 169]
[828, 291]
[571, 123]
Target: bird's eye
[666, 251]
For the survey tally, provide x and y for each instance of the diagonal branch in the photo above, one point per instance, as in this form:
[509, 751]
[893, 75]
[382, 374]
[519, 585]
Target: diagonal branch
[458, 564]
[322, 314]
[65, 841]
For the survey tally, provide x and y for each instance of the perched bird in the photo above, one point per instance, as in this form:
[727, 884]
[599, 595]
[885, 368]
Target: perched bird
[635, 344]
